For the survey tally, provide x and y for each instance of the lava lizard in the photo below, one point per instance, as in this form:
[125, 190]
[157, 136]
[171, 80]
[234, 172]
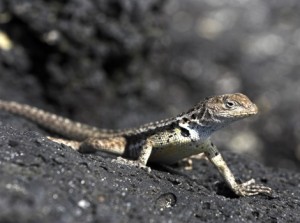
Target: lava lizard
[167, 141]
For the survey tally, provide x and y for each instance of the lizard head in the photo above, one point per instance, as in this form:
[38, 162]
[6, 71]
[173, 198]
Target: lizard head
[218, 111]
[231, 106]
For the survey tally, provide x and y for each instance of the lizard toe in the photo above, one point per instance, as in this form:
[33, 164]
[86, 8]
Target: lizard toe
[134, 163]
[249, 188]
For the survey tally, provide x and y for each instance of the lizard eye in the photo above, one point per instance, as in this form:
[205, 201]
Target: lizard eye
[230, 104]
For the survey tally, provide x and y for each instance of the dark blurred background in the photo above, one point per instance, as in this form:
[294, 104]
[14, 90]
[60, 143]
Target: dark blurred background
[121, 63]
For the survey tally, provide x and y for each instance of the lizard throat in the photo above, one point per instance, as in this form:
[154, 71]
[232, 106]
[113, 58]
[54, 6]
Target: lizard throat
[198, 132]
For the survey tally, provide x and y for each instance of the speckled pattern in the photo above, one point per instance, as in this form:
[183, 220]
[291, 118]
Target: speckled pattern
[166, 142]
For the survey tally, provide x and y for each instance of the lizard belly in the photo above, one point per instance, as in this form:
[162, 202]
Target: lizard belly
[169, 154]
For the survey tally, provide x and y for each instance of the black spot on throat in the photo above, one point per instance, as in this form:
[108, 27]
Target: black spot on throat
[185, 120]
[184, 132]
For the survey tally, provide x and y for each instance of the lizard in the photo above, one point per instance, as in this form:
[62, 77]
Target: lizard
[167, 141]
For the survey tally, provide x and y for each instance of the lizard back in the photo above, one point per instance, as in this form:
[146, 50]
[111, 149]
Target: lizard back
[72, 129]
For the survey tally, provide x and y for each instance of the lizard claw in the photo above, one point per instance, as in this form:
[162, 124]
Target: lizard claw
[135, 163]
[249, 188]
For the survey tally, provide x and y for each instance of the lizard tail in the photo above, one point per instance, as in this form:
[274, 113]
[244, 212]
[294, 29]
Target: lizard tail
[60, 125]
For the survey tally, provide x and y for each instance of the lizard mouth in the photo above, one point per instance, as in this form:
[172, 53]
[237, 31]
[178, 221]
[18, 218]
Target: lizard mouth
[243, 113]
[252, 111]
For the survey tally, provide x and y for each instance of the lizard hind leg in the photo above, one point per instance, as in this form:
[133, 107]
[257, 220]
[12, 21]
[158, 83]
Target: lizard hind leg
[71, 143]
[187, 163]
[115, 145]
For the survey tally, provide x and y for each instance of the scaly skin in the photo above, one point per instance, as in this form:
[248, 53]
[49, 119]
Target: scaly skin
[167, 141]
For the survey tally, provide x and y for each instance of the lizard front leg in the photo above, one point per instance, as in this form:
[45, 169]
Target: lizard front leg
[248, 188]
[142, 158]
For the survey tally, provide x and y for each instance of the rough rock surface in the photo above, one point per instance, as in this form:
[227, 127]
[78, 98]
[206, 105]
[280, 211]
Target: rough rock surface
[120, 63]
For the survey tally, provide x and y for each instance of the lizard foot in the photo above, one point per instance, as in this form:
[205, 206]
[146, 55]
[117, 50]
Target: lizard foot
[71, 143]
[249, 188]
[135, 163]
[186, 164]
